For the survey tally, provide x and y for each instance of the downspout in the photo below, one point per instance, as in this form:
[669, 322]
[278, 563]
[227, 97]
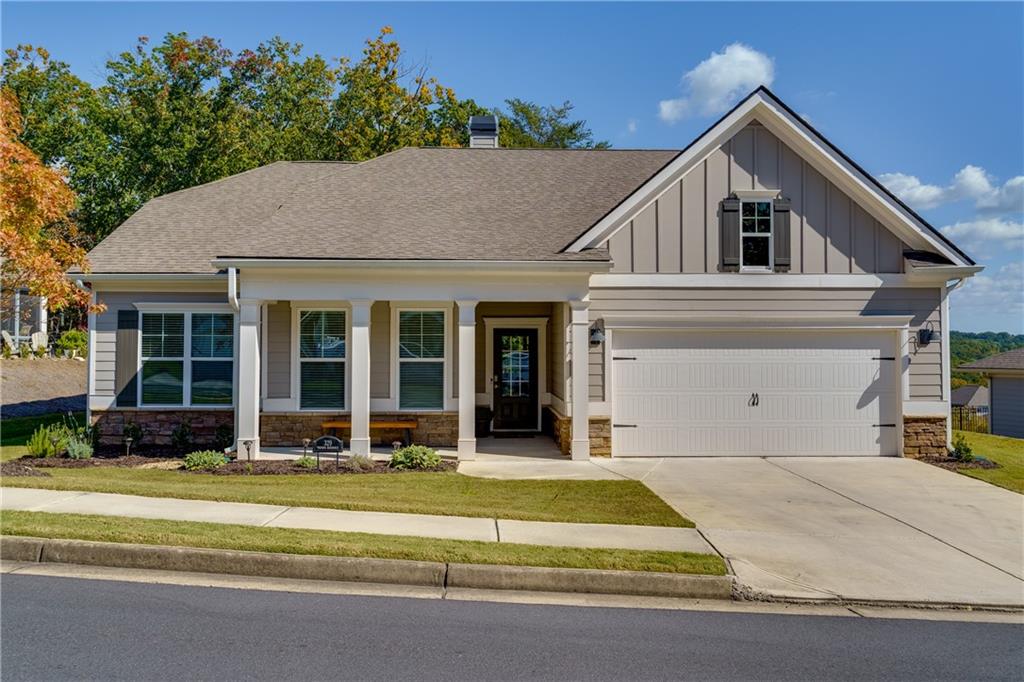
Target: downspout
[233, 288]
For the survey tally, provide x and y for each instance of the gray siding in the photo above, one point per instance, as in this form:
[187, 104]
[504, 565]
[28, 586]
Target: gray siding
[1007, 404]
[279, 354]
[380, 350]
[105, 349]
[829, 233]
[922, 303]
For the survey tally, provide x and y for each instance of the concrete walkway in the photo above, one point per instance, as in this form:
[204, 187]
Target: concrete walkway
[420, 525]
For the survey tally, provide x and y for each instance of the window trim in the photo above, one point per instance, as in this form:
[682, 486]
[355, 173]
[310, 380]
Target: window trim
[186, 354]
[770, 236]
[296, 360]
[396, 383]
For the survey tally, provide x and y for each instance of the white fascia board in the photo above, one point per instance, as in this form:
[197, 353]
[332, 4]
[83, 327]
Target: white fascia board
[458, 265]
[740, 280]
[649, 192]
[741, 322]
[146, 276]
[943, 273]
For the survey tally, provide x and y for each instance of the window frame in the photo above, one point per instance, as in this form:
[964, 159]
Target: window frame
[186, 357]
[297, 359]
[769, 236]
[396, 360]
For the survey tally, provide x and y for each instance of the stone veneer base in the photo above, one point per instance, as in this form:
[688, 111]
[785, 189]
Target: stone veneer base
[600, 434]
[158, 425]
[287, 429]
[924, 437]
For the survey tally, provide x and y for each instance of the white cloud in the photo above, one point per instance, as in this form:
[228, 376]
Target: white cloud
[970, 183]
[999, 292]
[713, 86]
[631, 126]
[986, 234]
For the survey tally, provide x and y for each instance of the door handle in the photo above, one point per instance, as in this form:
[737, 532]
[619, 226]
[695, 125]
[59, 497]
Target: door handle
[755, 400]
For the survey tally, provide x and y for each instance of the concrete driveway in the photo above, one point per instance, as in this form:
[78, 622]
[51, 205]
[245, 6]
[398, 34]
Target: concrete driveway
[885, 529]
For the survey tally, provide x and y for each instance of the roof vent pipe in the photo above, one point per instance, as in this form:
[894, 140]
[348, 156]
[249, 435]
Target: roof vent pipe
[483, 132]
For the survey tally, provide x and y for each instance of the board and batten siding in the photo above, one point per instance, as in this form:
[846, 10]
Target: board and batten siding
[105, 338]
[922, 303]
[1006, 400]
[279, 350]
[829, 232]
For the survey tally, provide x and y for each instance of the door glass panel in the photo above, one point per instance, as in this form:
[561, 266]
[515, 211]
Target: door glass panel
[515, 366]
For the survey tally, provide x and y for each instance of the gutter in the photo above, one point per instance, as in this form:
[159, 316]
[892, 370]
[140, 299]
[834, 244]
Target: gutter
[320, 263]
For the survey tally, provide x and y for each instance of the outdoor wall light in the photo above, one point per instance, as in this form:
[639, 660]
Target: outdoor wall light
[925, 334]
[596, 336]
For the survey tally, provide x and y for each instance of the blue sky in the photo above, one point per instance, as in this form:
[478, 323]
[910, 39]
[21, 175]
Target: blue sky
[929, 97]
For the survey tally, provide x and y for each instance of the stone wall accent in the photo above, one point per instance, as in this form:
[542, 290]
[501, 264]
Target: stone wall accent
[158, 425]
[924, 437]
[437, 429]
[600, 434]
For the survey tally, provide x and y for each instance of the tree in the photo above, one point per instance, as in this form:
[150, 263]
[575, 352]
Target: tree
[37, 237]
[526, 124]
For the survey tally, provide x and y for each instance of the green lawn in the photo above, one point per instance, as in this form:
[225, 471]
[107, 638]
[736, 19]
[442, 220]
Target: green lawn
[626, 502]
[292, 541]
[1008, 452]
[15, 432]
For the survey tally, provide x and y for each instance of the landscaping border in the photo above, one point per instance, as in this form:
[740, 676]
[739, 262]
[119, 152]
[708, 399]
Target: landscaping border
[349, 569]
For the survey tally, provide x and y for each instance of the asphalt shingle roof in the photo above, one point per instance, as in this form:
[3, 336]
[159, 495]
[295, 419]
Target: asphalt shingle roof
[1011, 359]
[415, 203]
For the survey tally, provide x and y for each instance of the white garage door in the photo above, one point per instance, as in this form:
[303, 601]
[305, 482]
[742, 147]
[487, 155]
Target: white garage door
[753, 394]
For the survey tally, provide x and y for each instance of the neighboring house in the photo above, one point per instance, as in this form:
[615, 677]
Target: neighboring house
[1006, 391]
[756, 293]
[22, 315]
[971, 396]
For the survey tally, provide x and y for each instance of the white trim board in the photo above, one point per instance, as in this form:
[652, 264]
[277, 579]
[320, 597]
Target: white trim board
[763, 106]
[759, 280]
[742, 322]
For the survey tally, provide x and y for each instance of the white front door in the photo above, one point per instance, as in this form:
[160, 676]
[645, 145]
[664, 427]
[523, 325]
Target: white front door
[761, 393]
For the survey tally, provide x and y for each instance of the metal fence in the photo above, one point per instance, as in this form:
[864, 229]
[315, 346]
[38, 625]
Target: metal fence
[970, 419]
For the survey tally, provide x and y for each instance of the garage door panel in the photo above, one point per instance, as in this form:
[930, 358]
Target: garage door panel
[686, 393]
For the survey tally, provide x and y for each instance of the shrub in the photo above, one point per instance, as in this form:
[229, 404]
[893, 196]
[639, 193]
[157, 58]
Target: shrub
[40, 352]
[204, 460]
[48, 441]
[223, 437]
[79, 449]
[24, 351]
[133, 431]
[415, 457]
[74, 342]
[360, 463]
[961, 451]
[306, 462]
[181, 437]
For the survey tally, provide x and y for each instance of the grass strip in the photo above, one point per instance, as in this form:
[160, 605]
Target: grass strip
[446, 493]
[331, 543]
[1007, 452]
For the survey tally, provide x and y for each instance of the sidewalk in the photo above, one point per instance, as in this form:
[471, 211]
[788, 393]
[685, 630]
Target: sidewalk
[420, 525]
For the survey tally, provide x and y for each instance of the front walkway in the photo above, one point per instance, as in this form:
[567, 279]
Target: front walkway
[314, 518]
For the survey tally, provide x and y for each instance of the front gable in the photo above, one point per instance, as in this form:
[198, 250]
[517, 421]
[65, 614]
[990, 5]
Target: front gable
[841, 221]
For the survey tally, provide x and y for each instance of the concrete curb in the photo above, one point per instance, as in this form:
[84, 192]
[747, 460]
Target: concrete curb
[349, 569]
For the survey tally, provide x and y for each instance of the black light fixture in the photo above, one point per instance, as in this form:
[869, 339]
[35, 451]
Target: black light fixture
[925, 334]
[596, 336]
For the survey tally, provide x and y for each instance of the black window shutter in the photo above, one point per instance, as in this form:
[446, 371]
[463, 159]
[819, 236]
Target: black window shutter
[729, 236]
[126, 355]
[780, 229]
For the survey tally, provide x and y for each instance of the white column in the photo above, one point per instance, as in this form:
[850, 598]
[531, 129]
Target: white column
[467, 380]
[248, 410]
[359, 366]
[41, 317]
[580, 379]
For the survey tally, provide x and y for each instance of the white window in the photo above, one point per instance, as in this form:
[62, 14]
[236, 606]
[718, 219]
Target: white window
[756, 235]
[322, 355]
[421, 359]
[205, 378]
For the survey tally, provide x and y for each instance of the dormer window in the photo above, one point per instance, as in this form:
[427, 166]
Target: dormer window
[756, 235]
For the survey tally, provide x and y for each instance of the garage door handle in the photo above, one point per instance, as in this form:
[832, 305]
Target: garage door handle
[755, 400]
[624, 426]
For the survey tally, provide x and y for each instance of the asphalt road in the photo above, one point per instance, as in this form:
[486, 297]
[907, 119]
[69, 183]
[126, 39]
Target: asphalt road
[59, 628]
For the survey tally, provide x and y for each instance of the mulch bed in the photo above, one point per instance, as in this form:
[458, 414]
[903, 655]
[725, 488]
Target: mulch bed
[16, 468]
[287, 467]
[126, 462]
[954, 464]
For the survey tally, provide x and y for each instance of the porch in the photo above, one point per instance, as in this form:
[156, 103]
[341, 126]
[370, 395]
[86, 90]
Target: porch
[471, 375]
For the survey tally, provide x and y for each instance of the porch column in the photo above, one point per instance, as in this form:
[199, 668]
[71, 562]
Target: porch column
[359, 354]
[580, 379]
[248, 410]
[467, 379]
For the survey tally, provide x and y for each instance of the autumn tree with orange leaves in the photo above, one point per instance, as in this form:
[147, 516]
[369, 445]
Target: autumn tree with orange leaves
[37, 237]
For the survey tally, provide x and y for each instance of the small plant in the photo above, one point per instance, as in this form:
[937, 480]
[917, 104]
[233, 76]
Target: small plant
[40, 352]
[49, 441]
[961, 451]
[223, 437]
[204, 460]
[360, 463]
[79, 449]
[306, 462]
[73, 342]
[415, 457]
[181, 437]
[24, 351]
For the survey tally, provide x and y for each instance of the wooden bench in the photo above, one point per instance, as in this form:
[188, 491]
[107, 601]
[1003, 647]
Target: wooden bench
[406, 425]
